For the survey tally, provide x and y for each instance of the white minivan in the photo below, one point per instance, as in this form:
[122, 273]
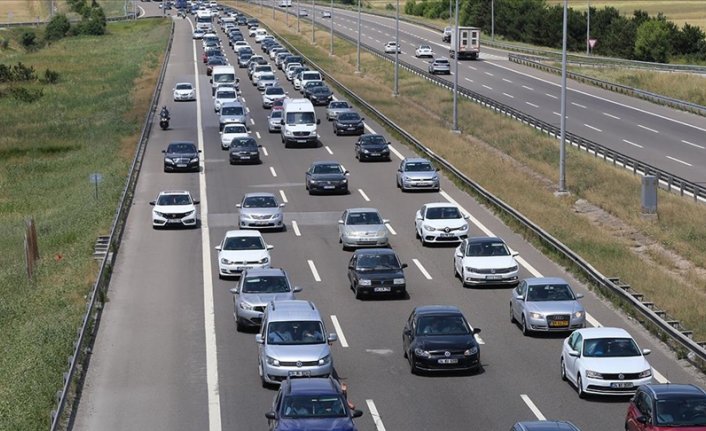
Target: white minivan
[223, 76]
[299, 123]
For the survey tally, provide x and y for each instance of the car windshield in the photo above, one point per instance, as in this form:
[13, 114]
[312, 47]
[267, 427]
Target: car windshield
[441, 62]
[300, 118]
[339, 105]
[308, 406]
[226, 95]
[241, 143]
[610, 348]
[681, 412]
[349, 116]
[487, 248]
[437, 213]
[311, 76]
[224, 77]
[266, 284]
[181, 148]
[276, 115]
[425, 48]
[217, 61]
[357, 218]
[268, 77]
[418, 167]
[184, 87]
[243, 243]
[232, 110]
[234, 128]
[328, 169]
[313, 84]
[550, 292]
[442, 325]
[174, 200]
[374, 140]
[259, 202]
[275, 91]
[367, 262]
[295, 332]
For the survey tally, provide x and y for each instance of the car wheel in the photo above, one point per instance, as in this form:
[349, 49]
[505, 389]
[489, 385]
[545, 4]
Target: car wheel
[238, 326]
[358, 294]
[525, 329]
[579, 387]
[413, 365]
[563, 370]
[404, 353]
[512, 316]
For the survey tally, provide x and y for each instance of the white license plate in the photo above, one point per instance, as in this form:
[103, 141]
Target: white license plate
[621, 385]
[245, 157]
[260, 223]
[381, 289]
[174, 221]
[493, 277]
[299, 373]
[375, 154]
[446, 235]
[301, 141]
[329, 187]
[181, 165]
[448, 361]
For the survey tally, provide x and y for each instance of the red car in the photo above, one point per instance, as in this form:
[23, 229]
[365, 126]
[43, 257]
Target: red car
[667, 407]
[278, 105]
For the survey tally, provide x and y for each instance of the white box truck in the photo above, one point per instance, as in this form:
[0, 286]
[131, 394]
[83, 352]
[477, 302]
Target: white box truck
[299, 123]
[466, 42]
[223, 76]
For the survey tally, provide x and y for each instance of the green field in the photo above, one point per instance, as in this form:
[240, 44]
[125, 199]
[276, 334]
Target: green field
[29, 10]
[88, 122]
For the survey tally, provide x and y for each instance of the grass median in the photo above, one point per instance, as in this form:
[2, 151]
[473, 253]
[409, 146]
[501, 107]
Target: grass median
[88, 122]
[663, 258]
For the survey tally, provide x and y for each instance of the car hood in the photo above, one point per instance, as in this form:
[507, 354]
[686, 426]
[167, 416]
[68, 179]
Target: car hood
[489, 262]
[180, 155]
[264, 298]
[342, 121]
[238, 150]
[173, 209]
[428, 175]
[374, 147]
[228, 137]
[380, 274]
[632, 364]
[553, 307]
[372, 229]
[328, 177]
[442, 342]
[320, 424]
[243, 255]
[260, 211]
[298, 352]
[442, 223]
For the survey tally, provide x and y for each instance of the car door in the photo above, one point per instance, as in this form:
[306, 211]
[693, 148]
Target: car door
[572, 362]
[419, 219]
[352, 274]
[408, 332]
[400, 171]
[342, 226]
[459, 253]
[308, 176]
[518, 305]
[640, 405]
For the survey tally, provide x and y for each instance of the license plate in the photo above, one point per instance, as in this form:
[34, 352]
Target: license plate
[375, 154]
[448, 361]
[381, 289]
[301, 141]
[493, 277]
[181, 165]
[245, 157]
[299, 373]
[351, 128]
[621, 385]
[329, 187]
[261, 223]
[447, 235]
[559, 323]
[174, 221]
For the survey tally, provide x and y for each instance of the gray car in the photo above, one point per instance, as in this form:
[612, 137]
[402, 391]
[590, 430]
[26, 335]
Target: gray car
[362, 227]
[274, 121]
[440, 65]
[260, 211]
[232, 112]
[257, 288]
[417, 174]
[546, 304]
[335, 107]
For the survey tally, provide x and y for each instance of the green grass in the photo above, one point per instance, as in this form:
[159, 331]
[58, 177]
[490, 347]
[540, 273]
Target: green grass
[519, 165]
[29, 10]
[88, 122]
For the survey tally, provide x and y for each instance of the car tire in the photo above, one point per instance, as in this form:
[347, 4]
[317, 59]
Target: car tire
[413, 365]
[563, 370]
[239, 326]
[358, 294]
[525, 329]
[579, 387]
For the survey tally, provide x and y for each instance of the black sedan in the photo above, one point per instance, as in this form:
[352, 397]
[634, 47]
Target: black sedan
[372, 147]
[376, 272]
[348, 123]
[306, 89]
[439, 338]
[328, 177]
[243, 60]
[320, 95]
[244, 150]
[215, 61]
[181, 156]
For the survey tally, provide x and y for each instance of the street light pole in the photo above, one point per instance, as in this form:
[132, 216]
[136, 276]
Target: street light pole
[588, 29]
[357, 63]
[313, 21]
[455, 49]
[396, 91]
[492, 20]
[297, 16]
[331, 17]
[562, 143]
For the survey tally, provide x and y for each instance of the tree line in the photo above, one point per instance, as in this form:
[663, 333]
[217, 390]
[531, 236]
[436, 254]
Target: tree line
[636, 37]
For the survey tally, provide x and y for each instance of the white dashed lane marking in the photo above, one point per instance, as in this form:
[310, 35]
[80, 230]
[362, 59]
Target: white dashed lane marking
[284, 197]
[272, 170]
[339, 331]
[632, 143]
[538, 414]
[422, 269]
[314, 272]
[295, 227]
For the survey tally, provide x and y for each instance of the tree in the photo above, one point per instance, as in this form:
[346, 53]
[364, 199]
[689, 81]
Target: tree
[28, 39]
[652, 41]
[687, 41]
[57, 27]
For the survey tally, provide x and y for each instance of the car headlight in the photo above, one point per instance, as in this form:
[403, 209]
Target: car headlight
[578, 314]
[272, 361]
[288, 133]
[246, 306]
[344, 181]
[464, 227]
[190, 213]
[194, 159]
[472, 351]
[469, 269]
[536, 316]
[364, 282]
[385, 150]
[265, 259]
[253, 153]
[646, 373]
[159, 214]
[422, 353]
[366, 151]
[593, 374]
[225, 261]
[513, 268]
[429, 228]
[325, 360]
[168, 160]
[435, 178]
[398, 281]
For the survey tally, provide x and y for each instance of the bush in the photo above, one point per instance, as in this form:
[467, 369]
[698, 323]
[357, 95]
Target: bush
[28, 39]
[5, 43]
[51, 76]
[57, 28]
[389, 6]
[25, 95]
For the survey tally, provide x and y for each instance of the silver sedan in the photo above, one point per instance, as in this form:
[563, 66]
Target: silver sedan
[260, 211]
[546, 304]
[362, 227]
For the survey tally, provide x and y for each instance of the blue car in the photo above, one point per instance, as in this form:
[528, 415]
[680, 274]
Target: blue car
[311, 404]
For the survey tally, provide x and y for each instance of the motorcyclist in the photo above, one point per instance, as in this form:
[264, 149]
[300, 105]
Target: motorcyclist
[164, 113]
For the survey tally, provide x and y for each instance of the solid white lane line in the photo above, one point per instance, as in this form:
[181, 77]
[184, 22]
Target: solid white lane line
[532, 104]
[551, 95]
[369, 129]
[392, 231]
[509, 95]
[579, 105]
[611, 116]
[362, 193]
[272, 170]
[421, 269]
[528, 88]
[264, 151]
[258, 135]
[591, 127]
[339, 331]
[214, 399]
[472, 68]
[632, 143]
[692, 144]
[395, 152]
[284, 197]
[647, 128]
[659, 377]
[468, 79]
[527, 266]
[375, 415]
[489, 74]
[538, 414]
[252, 121]
[295, 226]
[489, 88]
[328, 150]
[679, 161]
[247, 109]
[473, 220]
[507, 80]
[314, 272]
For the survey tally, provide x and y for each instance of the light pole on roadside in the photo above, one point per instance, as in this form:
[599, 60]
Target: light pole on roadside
[455, 50]
[297, 16]
[357, 63]
[492, 20]
[313, 21]
[396, 90]
[588, 29]
[562, 143]
[331, 17]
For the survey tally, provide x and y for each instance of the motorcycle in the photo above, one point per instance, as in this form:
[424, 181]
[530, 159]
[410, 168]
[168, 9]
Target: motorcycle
[164, 118]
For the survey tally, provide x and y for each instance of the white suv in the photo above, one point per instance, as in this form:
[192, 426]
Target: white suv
[440, 222]
[173, 208]
[241, 250]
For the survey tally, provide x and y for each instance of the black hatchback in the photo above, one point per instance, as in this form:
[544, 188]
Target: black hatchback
[244, 150]
[439, 338]
[181, 156]
[377, 272]
[372, 147]
[319, 95]
[348, 123]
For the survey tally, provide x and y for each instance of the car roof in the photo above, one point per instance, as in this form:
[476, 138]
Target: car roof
[231, 104]
[672, 390]
[242, 232]
[325, 162]
[174, 192]
[292, 309]
[439, 205]
[258, 194]
[374, 251]
[416, 160]
[603, 332]
[362, 210]
[533, 281]
[436, 309]
[484, 239]
[312, 386]
[547, 426]
[262, 272]
[184, 83]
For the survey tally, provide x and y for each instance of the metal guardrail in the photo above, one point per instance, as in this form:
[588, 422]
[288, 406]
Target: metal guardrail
[95, 303]
[535, 62]
[697, 351]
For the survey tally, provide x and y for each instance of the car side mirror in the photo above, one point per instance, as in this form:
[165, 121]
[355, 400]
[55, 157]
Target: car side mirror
[332, 337]
[296, 289]
[234, 290]
[404, 265]
[362, 119]
[199, 151]
[318, 121]
[218, 247]
[476, 331]
[346, 173]
[574, 353]
[515, 253]
[281, 205]
[281, 122]
[466, 216]
[579, 295]
[340, 222]
[270, 246]
[196, 202]
[259, 339]
[399, 170]
[646, 352]
[643, 419]
[238, 205]
[385, 221]
[357, 413]
[519, 297]
[210, 80]
[153, 203]
[271, 415]
[164, 151]
[407, 331]
[459, 254]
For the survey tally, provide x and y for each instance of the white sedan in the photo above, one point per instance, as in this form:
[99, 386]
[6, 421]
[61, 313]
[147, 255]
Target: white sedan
[231, 131]
[485, 260]
[173, 208]
[424, 51]
[184, 91]
[241, 250]
[605, 361]
[391, 47]
[325, 14]
[224, 95]
[440, 222]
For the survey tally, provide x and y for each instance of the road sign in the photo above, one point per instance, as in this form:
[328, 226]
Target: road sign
[592, 42]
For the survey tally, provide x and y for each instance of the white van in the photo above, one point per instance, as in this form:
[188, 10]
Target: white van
[299, 123]
[306, 76]
[223, 76]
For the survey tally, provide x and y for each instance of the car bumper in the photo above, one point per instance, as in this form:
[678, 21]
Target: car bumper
[544, 325]
[462, 363]
[275, 375]
[274, 127]
[182, 97]
[607, 387]
[365, 241]
[307, 140]
[374, 156]
[420, 185]
[191, 166]
[490, 279]
[234, 270]
[443, 237]
[322, 101]
[261, 224]
[326, 188]
[383, 289]
[355, 130]
[158, 221]
[237, 158]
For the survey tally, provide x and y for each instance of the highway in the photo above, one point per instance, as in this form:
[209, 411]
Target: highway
[167, 355]
[668, 139]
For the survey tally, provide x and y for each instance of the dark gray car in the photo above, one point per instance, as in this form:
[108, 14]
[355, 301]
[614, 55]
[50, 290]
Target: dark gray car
[372, 147]
[327, 177]
[181, 156]
[376, 271]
